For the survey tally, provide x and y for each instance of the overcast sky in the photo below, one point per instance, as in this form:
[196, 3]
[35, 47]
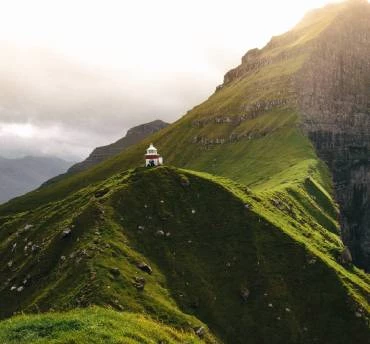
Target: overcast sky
[76, 74]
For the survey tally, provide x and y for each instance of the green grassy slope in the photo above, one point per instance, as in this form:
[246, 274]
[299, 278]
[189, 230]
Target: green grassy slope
[258, 215]
[246, 131]
[272, 146]
[246, 140]
[216, 250]
[90, 326]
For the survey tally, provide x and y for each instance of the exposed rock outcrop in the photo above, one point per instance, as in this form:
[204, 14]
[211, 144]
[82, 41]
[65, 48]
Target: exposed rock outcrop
[334, 94]
[331, 92]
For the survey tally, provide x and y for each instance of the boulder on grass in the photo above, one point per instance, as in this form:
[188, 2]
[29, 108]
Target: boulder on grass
[145, 267]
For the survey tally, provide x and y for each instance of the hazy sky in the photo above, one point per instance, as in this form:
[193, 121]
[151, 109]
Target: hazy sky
[76, 74]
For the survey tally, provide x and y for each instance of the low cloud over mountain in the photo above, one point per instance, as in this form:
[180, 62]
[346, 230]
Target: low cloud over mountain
[51, 105]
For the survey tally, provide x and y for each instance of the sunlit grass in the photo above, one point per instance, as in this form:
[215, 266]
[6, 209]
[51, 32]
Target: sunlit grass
[90, 326]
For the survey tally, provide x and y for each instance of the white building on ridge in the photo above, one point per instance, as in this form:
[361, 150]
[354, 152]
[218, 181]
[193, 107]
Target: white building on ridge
[152, 158]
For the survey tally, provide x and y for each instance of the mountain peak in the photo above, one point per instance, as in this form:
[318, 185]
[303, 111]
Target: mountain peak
[302, 37]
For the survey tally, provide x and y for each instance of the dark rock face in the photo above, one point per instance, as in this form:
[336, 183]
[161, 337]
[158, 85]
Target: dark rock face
[334, 94]
[133, 136]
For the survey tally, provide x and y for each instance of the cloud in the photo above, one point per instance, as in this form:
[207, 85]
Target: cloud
[18, 140]
[50, 104]
[76, 74]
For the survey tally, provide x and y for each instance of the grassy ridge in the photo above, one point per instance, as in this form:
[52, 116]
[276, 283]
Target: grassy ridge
[215, 250]
[271, 145]
[248, 245]
[79, 270]
[256, 135]
[268, 142]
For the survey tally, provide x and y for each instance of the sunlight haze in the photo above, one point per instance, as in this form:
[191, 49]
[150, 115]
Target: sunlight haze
[79, 69]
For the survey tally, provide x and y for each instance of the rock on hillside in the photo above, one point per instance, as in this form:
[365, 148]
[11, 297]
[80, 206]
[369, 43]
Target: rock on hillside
[133, 136]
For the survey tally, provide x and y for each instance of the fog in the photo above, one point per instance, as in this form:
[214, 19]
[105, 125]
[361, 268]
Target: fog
[78, 74]
[52, 105]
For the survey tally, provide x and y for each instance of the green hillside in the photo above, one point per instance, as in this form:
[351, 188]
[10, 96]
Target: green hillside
[90, 326]
[209, 242]
[247, 130]
[238, 235]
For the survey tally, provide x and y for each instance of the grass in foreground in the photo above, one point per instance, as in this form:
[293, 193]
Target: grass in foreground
[90, 326]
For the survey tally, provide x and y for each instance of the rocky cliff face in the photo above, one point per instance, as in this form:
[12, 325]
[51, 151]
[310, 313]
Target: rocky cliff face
[134, 135]
[331, 92]
[334, 97]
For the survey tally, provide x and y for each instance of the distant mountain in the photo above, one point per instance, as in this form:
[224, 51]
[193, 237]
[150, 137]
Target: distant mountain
[133, 136]
[18, 176]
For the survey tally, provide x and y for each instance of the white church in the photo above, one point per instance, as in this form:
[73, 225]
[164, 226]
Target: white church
[152, 158]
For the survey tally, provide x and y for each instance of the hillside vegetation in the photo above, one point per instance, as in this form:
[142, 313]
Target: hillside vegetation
[247, 130]
[214, 248]
[236, 239]
[90, 326]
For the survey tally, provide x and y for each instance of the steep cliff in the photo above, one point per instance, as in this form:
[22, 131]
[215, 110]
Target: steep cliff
[331, 92]
[334, 100]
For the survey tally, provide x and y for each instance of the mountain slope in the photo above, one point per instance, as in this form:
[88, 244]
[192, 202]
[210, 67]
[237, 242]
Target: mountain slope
[259, 126]
[247, 123]
[236, 261]
[18, 176]
[334, 89]
[254, 250]
[133, 136]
